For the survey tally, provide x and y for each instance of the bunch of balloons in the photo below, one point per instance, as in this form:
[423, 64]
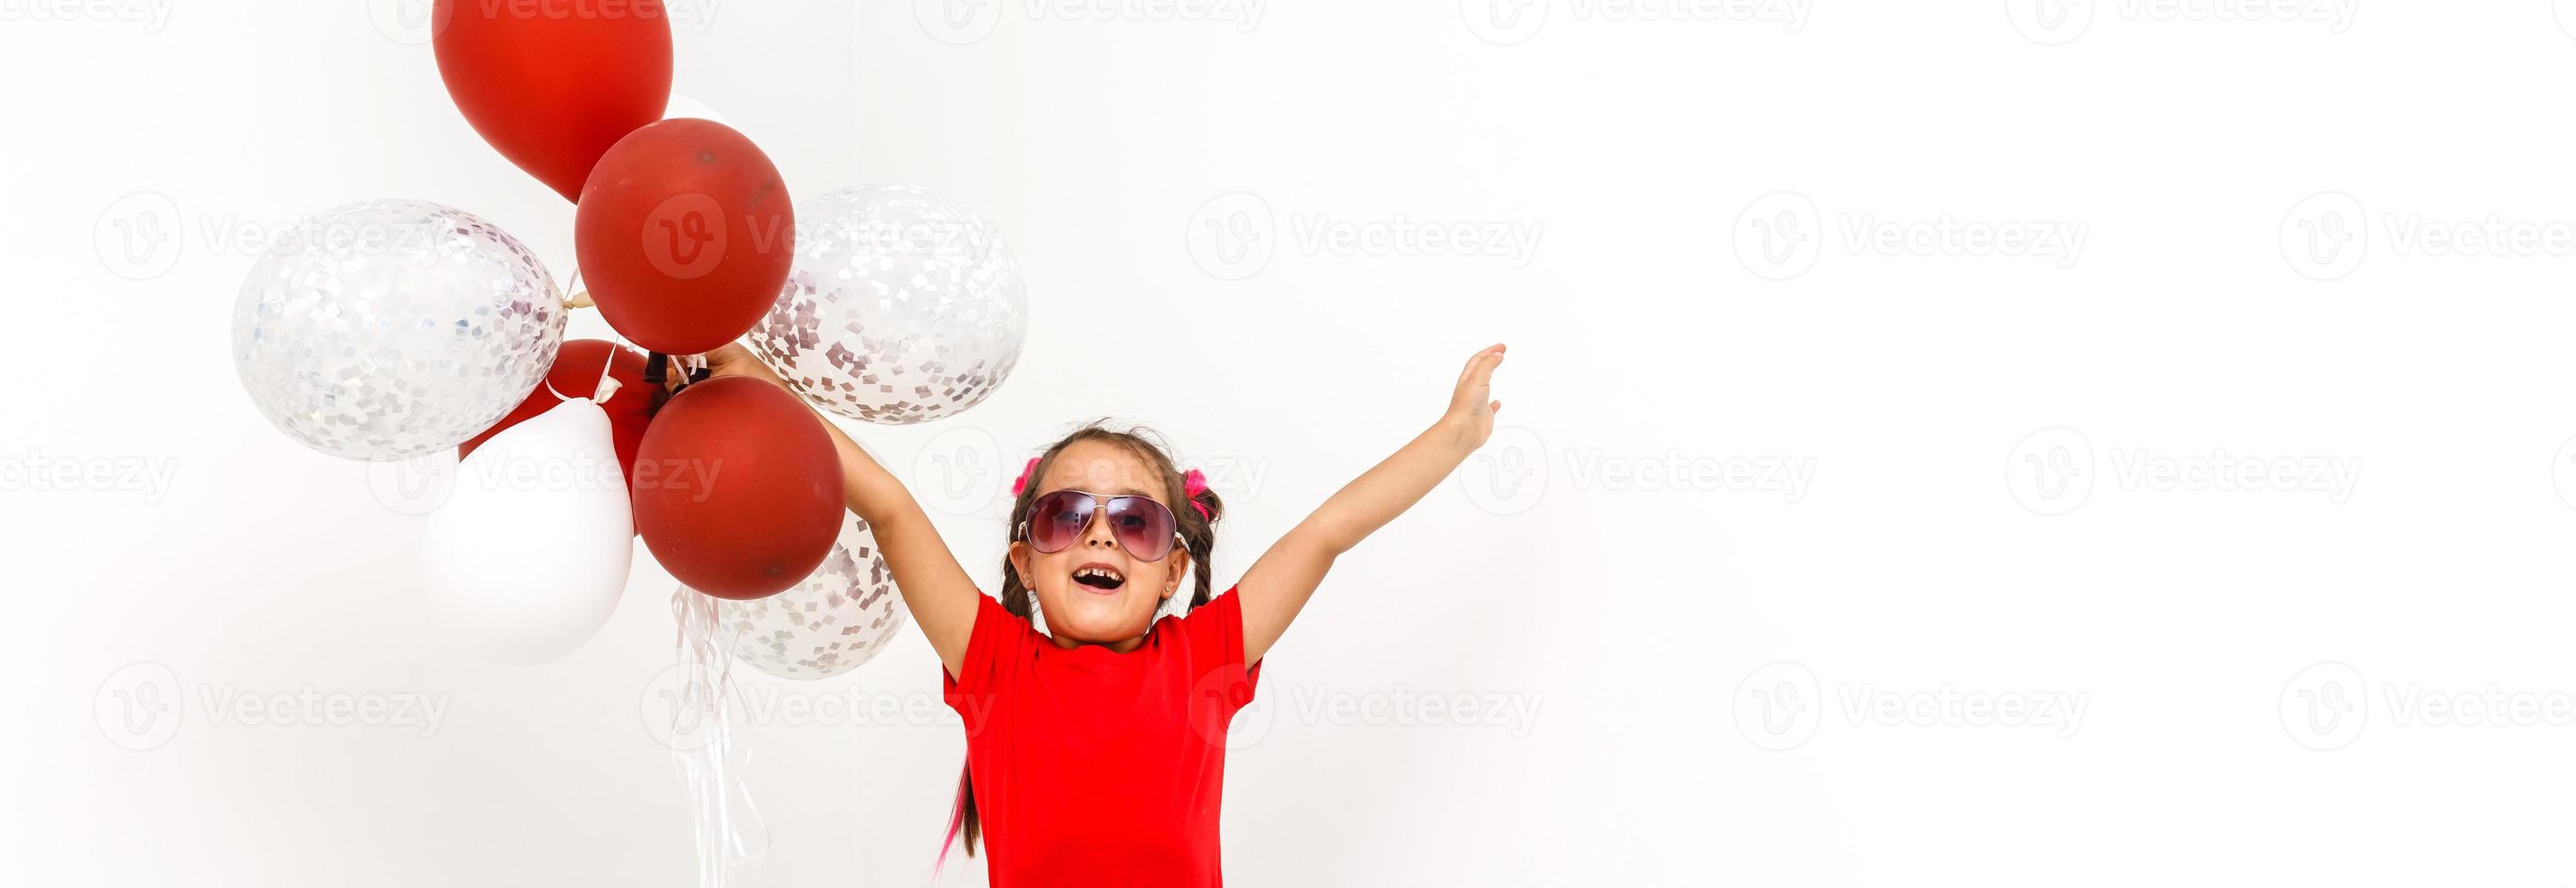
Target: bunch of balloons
[399, 329]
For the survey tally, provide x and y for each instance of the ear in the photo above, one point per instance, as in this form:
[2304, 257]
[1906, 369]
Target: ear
[1021, 555]
[1180, 562]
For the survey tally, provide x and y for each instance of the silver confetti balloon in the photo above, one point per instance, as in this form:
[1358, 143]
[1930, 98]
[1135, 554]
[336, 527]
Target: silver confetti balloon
[827, 625]
[903, 307]
[394, 328]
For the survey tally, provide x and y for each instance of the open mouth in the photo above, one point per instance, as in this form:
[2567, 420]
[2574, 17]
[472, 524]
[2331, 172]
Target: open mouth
[1099, 577]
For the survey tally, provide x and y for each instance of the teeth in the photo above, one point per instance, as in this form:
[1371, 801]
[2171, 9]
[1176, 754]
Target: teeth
[1102, 572]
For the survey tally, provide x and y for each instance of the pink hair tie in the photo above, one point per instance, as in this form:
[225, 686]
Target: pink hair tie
[1192, 485]
[1020, 486]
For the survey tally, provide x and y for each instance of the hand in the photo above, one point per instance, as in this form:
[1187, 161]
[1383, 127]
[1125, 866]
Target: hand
[1472, 407]
[735, 360]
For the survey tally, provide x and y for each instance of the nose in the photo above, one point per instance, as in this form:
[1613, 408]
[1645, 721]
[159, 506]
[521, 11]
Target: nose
[1096, 533]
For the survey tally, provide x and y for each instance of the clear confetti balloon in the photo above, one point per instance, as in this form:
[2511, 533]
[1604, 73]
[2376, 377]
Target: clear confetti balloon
[827, 625]
[394, 328]
[903, 307]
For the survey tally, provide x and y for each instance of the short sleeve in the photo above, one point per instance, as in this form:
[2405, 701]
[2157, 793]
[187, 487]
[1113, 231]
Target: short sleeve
[998, 644]
[1214, 633]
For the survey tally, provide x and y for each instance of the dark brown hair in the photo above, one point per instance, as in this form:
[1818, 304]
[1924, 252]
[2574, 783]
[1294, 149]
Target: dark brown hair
[1198, 537]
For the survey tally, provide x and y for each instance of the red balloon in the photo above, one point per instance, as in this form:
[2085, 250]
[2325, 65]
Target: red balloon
[552, 85]
[738, 491]
[685, 234]
[576, 375]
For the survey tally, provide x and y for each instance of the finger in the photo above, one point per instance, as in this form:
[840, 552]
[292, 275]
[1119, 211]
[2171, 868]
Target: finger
[1496, 407]
[1491, 351]
[1480, 372]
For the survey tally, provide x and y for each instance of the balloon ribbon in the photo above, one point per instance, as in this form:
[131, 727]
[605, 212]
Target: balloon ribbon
[720, 807]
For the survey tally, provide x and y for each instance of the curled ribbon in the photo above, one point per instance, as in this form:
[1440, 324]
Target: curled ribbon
[700, 709]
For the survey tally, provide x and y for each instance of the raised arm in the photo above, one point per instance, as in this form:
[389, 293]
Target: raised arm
[935, 588]
[1277, 586]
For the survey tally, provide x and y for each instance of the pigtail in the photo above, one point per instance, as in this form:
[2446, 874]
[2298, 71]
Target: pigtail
[1198, 535]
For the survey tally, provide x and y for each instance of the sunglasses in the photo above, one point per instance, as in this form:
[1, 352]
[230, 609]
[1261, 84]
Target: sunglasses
[1143, 527]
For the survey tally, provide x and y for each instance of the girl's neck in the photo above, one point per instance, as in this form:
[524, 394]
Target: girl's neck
[1116, 647]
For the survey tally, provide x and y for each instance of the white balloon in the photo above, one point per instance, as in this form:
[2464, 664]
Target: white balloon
[683, 106]
[833, 622]
[393, 328]
[528, 556]
[903, 307]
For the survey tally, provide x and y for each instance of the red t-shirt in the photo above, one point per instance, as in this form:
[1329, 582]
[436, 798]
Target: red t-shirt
[1093, 767]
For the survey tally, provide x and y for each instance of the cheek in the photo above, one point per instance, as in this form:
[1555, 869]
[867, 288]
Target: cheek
[1151, 578]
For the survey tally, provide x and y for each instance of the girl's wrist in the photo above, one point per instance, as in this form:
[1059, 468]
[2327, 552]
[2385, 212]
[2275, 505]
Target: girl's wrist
[1458, 431]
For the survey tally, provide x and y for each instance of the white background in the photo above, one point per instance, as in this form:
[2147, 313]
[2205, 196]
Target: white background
[1944, 550]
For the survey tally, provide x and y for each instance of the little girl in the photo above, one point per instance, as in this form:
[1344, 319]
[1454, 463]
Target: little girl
[1095, 752]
